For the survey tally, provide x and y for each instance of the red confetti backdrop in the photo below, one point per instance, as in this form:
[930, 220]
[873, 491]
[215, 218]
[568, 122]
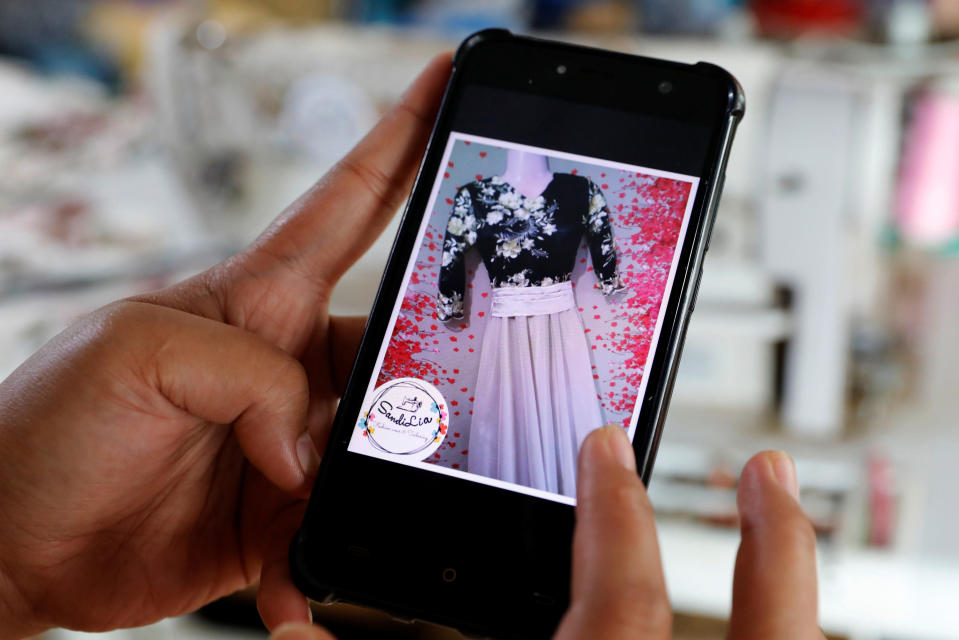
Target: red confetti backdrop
[646, 213]
[654, 216]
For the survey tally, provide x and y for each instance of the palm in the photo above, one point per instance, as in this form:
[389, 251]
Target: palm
[149, 551]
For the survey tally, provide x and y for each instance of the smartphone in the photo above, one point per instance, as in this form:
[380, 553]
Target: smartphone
[539, 287]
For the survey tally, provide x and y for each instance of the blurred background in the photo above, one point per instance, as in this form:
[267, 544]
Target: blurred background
[142, 141]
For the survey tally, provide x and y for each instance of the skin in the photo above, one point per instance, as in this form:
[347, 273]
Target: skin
[158, 453]
[618, 590]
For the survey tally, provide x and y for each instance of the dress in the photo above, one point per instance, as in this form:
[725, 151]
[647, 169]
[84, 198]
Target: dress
[535, 399]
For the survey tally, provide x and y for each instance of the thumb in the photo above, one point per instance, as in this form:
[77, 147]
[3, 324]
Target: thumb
[774, 588]
[618, 588]
[300, 631]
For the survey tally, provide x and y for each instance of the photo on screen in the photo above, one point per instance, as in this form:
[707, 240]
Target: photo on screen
[529, 314]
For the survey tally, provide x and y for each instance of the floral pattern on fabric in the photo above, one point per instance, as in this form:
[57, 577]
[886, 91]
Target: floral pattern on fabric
[525, 242]
[603, 250]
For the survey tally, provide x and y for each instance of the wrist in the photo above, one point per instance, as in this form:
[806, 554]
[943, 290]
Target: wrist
[16, 619]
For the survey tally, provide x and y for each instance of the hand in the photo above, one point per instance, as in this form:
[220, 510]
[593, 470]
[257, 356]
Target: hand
[157, 453]
[618, 589]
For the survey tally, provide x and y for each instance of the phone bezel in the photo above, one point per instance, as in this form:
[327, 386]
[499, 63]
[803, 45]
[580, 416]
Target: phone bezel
[540, 596]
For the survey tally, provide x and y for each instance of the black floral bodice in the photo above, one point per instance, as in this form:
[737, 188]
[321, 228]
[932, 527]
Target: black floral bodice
[525, 242]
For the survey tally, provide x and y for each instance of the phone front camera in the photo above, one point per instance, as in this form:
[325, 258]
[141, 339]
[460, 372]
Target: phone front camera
[665, 87]
[561, 69]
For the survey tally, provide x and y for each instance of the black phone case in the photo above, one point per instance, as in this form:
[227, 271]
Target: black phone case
[646, 441]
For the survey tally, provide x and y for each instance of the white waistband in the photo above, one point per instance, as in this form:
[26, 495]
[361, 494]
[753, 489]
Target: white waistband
[509, 302]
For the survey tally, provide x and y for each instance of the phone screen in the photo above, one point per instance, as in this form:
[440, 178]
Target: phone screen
[533, 303]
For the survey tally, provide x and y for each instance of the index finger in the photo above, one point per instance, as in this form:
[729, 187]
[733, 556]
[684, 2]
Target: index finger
[618, 588]
[331, 225]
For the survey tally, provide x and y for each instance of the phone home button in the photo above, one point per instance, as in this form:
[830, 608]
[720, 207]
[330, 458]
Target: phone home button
[449, 574]
[358, 551]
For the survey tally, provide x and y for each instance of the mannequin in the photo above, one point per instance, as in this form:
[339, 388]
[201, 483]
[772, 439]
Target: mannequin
[527, 172]
[535, 397]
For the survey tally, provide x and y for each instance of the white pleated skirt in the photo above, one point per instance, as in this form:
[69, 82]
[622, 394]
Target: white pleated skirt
[535, 399]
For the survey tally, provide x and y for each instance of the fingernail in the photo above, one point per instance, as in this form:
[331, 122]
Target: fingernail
[785, 471]
[307, 454]
[293, 631]
[619, 446]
